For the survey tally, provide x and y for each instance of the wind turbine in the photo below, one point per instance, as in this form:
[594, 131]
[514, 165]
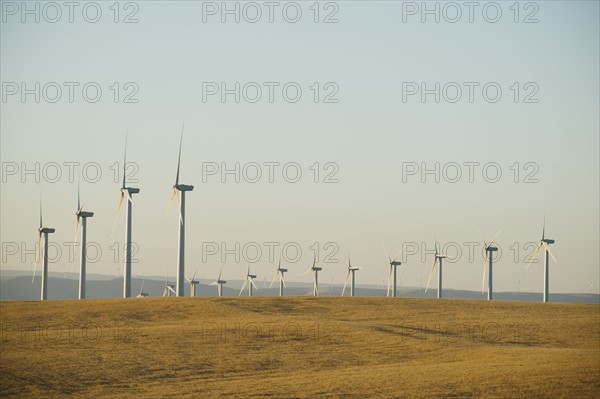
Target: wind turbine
[219, 283]
[42, 231]
[193, 284]
[82, 215]
[438, 257]
[142, 294]
[315, 271]
[351, 271]
[393, 265]
[279, 272]
[126, 192]
[488, 260]
[250, 281]
[179, 191]
[545, 243]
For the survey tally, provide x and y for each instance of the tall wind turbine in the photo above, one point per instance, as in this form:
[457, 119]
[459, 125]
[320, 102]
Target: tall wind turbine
[392, 271]
[488, 261]
[545, 243]
[179, 191]
[279, 272]
[249, 280]
[193, 284]
[126, 192]
[219, 283]
[351, 271]
[315, 272]
[42, 231]
[82, 215]
[438, 258]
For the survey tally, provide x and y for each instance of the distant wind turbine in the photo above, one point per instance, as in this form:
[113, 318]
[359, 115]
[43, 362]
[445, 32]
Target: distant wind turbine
[439, 257]
[350, 275]
[315, 272]
[488, 260]
[279, 272]
[82, 215]
[126, 192]
[42, 231]
[179, 191]
[249, 280]
[219, 283]
[193, 284]
[392, 272]
[545, 243]
[142, 294]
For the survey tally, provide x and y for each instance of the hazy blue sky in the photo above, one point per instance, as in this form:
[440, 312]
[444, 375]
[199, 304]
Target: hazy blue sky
[369, 133]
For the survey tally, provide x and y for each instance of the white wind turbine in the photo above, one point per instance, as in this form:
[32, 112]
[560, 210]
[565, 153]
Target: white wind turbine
[545, 243]
[142, 294]
[179, 191]
[42, 231]
[82, 215]
[219, 283]
[249, 280]
[279, 272]
[315, 272]
[169, 288]
[350, 274]
[392, 272]
[193, 284]
[439, 257]
[126, 192]
[488, 261]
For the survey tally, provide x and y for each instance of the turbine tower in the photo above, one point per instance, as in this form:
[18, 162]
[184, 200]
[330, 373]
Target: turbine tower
[351, 271]
[488, 262]
[545, 243]
[42, 231]
[392, 271]
[315, 271]
[179, 191]
[219, 283]
[250, 281]
[126, 192]
[193, 284]
[279, 272]
[438, 257]
[82, 215]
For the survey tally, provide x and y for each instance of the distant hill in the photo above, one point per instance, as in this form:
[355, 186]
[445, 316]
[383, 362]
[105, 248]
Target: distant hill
[14, 285]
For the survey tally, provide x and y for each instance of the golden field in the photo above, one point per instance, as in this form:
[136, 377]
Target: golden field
[299, 347]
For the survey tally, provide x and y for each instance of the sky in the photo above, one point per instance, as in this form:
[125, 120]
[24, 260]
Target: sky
[513, 136]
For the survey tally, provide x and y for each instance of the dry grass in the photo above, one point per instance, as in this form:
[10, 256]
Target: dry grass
[299, 348]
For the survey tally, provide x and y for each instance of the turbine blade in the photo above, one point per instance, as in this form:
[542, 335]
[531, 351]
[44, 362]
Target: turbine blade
[76, 229]
[179, 157]
[386, 253]
[273, 280]
[398, 254]
[544, 227]
[550, 252]
[534, 254]
[389, 279]
[495, 236]
[171, 201]
[481, 236]
[243, 286]
[252, 282]
[196, 272]
[125, 158]
[431, 273]
[346, 282]
[179, 200]
[282, 279]
[117, 214]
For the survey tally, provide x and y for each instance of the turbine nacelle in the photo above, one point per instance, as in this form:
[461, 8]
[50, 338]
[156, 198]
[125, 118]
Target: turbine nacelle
[282, 270]
[251, 276]
[84, 214]
[182, 187]
[47, 230]
[490, 248]
[131, 190]
[395, 263]
[316, 268]
[548, 241]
